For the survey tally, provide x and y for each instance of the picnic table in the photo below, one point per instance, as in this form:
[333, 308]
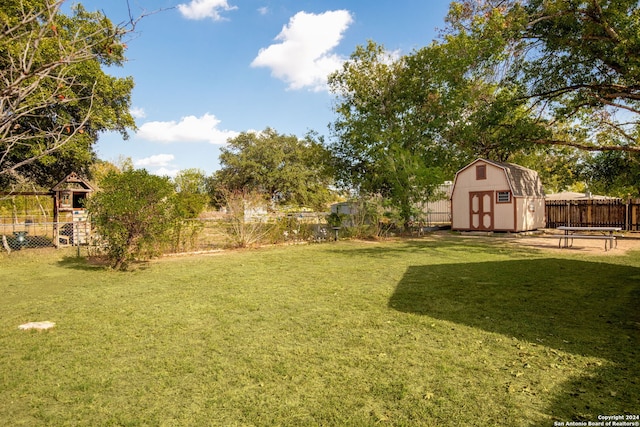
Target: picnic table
[602, 233]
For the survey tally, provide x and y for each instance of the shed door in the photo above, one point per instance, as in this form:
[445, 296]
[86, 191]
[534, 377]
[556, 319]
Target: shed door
[481, 210]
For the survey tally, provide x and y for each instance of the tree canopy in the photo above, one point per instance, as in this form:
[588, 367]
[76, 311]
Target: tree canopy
[55, 97]
[191, 196]
[528, 80]
[575, 64]
[284, 168]
[615, 173]
[384, 141]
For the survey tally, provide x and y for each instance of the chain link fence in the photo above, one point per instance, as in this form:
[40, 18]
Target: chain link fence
[201, 235]
[32, 235]
[191, 236]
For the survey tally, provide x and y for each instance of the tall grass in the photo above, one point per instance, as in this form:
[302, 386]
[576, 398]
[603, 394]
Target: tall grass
[437, 331]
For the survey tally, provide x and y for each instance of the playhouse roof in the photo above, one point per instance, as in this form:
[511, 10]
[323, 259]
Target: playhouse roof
[73, 182]
[523, 181]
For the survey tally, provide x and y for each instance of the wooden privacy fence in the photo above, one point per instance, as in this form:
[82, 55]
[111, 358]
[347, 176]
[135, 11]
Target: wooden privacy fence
[594, 213]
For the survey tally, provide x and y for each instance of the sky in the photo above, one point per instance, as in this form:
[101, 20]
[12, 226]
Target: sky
[206, 70]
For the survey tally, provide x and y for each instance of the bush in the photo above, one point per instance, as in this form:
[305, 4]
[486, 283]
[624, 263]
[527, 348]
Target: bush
[292, 229]
[369, 218]
[133, 213]
[246, 223]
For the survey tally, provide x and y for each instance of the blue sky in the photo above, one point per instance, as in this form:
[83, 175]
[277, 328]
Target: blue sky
[206, 70]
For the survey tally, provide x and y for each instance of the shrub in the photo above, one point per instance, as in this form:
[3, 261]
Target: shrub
[133, 213]
[247, 225]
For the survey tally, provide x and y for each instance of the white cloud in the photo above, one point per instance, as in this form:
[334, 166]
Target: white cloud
[138, 113]
[172, 172]
[202, 9]
[263, 10]
[188, 129]
[160, 161]
[155, 160]
[304, 56]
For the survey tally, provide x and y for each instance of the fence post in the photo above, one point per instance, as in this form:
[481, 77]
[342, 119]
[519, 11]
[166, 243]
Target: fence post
[76, 240]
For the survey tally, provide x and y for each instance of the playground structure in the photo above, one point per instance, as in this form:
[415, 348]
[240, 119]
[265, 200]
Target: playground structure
[55, 218]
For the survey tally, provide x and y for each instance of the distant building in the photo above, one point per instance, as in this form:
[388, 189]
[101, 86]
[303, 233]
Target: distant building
[571, 195]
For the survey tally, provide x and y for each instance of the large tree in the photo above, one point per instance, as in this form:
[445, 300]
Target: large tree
[383, 143]
[615, 173]
[575, 63]
[55, 97]
[285, 169]
[507, 80]
[567, 79]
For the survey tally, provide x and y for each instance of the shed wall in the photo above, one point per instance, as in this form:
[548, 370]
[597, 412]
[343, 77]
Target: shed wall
[530, 214]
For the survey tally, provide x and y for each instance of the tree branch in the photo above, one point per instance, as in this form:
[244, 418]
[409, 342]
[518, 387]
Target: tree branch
[44, 102]
[586, 146]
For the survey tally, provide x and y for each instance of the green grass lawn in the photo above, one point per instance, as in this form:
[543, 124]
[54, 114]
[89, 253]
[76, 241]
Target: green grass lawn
[438, 331]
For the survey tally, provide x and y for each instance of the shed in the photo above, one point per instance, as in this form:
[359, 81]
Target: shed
[345, 208]
[497, 196]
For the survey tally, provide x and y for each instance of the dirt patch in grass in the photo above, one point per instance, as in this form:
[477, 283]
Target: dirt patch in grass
[549, 242]
[546, 241]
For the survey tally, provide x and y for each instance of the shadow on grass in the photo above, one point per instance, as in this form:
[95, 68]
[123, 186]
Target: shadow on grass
[82, 264]
[97, 264]
[585, 308]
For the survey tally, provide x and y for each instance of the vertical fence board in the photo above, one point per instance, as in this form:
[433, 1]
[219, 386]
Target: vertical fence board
[633, 215]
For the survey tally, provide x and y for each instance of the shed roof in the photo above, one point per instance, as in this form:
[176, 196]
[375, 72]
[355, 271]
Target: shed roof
[523, 181]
